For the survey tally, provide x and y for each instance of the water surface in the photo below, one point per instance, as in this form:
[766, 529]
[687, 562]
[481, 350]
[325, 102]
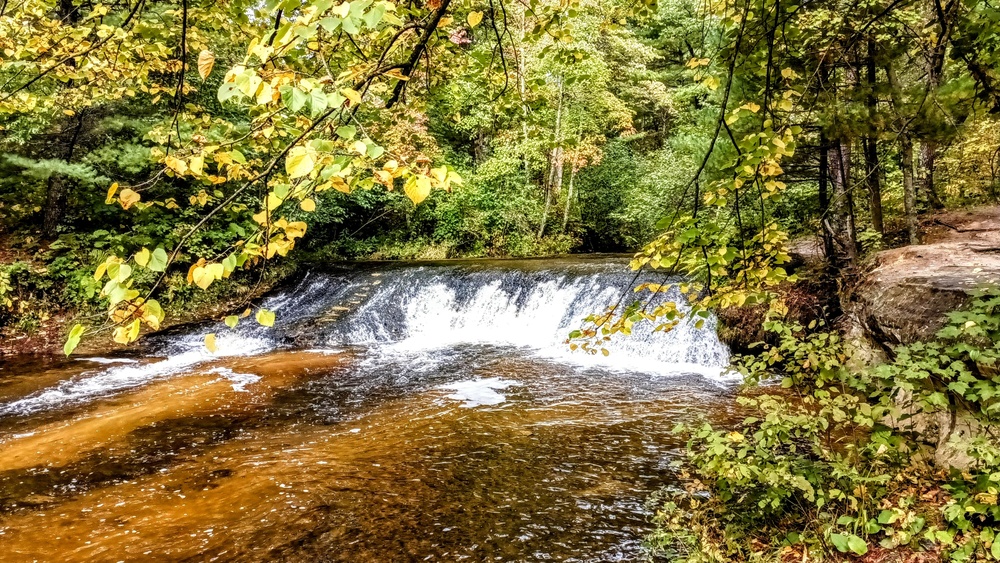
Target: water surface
[392, 414]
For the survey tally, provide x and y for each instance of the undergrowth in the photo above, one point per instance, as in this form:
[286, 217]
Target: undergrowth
[831, 466]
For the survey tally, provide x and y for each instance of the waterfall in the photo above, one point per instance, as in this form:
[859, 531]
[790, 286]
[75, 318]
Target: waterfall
[444, 306]
[418, 310]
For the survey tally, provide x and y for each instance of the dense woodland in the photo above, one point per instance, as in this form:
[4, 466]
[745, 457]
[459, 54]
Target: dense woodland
[157, 154]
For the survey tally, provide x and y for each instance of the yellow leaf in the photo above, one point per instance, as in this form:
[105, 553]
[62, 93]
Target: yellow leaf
[126, 334]
[299, 162]
[128, 198]
[397, 74]
[210, 342]
[142, 257]
[352, 95]
[295, 229]
[359, 147]
[202, 277]
[265, 94]
[265, 317]
[195, 266]
[216, 270]
[111, 193]
[418, 188]
[206, 60]
[475, 18]
[308, 205]
[196, 165]
[342, 10]
[340, 184]
[175, 164]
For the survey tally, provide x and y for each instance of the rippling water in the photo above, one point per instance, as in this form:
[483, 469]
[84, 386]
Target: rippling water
[433, 415]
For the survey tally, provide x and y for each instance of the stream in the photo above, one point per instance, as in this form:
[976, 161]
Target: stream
[395, 412]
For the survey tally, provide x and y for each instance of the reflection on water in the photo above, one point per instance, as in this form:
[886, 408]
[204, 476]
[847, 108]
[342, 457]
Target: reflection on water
[350, 457]
[357, 449]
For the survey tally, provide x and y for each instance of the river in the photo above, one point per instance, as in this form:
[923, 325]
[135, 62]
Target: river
[413, 412]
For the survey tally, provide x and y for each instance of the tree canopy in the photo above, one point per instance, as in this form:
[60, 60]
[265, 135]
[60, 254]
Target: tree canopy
[172, 145]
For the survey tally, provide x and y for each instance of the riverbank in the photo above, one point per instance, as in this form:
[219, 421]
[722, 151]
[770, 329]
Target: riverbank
[885, 453]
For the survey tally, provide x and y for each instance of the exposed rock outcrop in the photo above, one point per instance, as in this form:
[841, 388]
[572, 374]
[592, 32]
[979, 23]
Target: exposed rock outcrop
[906, 292]
[904, 297]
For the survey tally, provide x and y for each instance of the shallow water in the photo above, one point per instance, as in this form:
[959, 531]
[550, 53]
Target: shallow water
[362, 437]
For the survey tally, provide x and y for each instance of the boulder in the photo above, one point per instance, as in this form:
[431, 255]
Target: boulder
[905, 293]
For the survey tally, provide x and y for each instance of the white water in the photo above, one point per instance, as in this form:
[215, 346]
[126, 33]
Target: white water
[93, 384]
[537, 317]
[410, 316]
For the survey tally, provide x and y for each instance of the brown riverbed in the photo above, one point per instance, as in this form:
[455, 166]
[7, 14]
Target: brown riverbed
[449, 432]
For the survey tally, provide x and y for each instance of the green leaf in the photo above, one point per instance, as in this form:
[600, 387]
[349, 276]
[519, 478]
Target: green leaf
[265, 317]
[74, 339]
[347, 132]
[158, 260]
[857, 545]
[317, 102]
[374, 16]
[995, 550]
[839, 541]
[232, 320]
[375, 151]
[293, 99]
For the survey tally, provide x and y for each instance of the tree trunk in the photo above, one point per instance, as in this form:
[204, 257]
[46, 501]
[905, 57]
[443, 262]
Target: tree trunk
[824, 197]
[906, 159]
[945, 16]
[569, 198]
[928, 157]
[872, 179]
[57, 189]
[554, 182]
[909, 190]
[842, 206]
[547, 186]
[874, 185]
[557, 153]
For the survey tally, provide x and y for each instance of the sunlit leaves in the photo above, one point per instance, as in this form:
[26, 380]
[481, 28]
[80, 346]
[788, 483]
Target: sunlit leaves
[206, 60]
[475, 18]
[158, 260]
[203, 276]
[128, 198]
[142, 257]
[417, 188]
[128, 333]
[210, 342]
[73, 340]
[299, 162]
[265, 317]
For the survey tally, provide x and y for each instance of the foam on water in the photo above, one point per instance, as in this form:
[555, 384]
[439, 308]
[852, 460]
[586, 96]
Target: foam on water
[478, 392]
[413, 315]
[407, 316]
[89, 385]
